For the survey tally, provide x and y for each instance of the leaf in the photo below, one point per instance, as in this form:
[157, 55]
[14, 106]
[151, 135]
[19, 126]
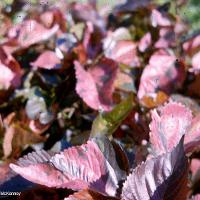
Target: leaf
[124, 52]
[159, 178]
[10, 71]
[160, 18]
[169, 123]
[166, 38]
[47, 60]
[35, 168]
[107, 123]
[192, 138]
[91, 39]
[195, 170]
[30, 32]
[96, 85]
[188, 102]
[195, 63]
[77, 168]
[17, 135]
[108, 151]
[145, 42]
[85, 12]
[125, 82]
[196, 197]
[161, 73]
[52, 17]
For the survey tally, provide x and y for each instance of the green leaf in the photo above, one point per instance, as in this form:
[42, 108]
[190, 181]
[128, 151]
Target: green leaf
[107, 123]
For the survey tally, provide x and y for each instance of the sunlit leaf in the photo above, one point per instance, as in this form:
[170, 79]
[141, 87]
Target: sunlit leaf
[169, 123]
[162, 177]
[77, 168]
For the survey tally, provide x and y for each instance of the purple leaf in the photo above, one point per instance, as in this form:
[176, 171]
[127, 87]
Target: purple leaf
[162, 177]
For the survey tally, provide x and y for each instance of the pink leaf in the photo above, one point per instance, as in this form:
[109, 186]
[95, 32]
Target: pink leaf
[47, 60]
[31, 32]
[125, 52]
[77, 168]
[145, 42]
[96, 85]
[161, 73]
[52, 17]
[195, 63]
[192, 138]
[196, 197]
[162, 177]
[195, 166]
[159, 19]
[35, 167]
[168, 125]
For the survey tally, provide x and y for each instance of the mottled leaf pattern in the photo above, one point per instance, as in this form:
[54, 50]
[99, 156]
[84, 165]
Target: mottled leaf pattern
[77, 168]
[96, 85]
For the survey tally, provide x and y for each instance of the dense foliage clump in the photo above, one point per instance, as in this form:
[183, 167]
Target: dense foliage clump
[99, 102]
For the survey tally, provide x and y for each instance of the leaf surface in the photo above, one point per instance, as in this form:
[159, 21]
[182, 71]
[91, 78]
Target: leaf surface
[77, 168]
[160, 178]
[168, 125]
[96, 85]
